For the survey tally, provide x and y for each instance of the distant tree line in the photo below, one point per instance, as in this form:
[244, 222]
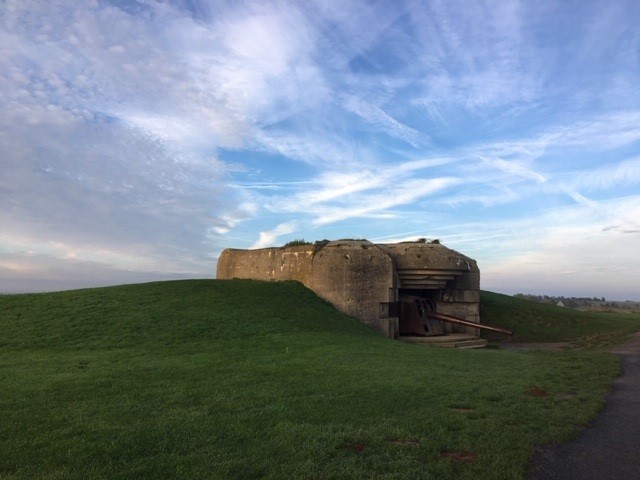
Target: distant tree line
[584, 303]
[571, 302]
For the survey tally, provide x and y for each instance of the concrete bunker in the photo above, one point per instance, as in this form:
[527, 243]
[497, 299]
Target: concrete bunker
[408, 288]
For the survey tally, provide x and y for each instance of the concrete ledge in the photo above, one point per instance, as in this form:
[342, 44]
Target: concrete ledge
[452, 340]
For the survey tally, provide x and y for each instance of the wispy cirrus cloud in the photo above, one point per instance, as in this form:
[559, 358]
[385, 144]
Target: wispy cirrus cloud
[376, 116]
[625, 173]
[481, 177]
[160, 132]
[378, 205]
[512, 168]
[367, 193]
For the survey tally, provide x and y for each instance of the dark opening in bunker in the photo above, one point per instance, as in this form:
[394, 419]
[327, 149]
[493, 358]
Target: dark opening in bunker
[413, 307]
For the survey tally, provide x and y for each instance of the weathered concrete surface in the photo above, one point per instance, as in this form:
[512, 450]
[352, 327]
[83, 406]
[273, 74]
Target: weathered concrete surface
[454, 340]
[356, 277]
[465, 310]
[360, 277]
[270, 264]
[426, 256]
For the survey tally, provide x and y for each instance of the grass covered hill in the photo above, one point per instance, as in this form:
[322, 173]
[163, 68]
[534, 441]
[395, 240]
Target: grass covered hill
[536, 322]
[243, 379]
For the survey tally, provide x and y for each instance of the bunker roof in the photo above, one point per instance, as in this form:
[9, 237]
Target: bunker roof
[432, 256]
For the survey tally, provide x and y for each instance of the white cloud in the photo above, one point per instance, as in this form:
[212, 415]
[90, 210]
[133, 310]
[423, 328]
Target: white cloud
[232, 217]
[367, 193]
[477, 65]
[513, 168]
[375, 115]
[376, 204]
[321, 149]
[335, 185]
[624, 173]
[268, 238]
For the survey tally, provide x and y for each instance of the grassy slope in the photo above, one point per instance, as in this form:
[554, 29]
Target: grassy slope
[243, 379]
[535, 322]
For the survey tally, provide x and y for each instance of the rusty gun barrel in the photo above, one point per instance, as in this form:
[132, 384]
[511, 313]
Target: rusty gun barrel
[460, 321]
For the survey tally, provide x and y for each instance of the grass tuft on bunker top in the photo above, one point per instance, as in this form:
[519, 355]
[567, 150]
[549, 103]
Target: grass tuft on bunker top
[244, 379]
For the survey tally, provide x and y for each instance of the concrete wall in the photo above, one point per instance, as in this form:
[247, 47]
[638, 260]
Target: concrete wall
[462, 300]
[356, 277]
[270, 264]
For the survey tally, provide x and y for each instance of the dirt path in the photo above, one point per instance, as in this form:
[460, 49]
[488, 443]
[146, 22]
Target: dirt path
[610, 447]
[549, 346]
[630, 347]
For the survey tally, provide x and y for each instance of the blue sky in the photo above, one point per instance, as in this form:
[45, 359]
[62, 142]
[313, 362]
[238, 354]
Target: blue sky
[140, 138]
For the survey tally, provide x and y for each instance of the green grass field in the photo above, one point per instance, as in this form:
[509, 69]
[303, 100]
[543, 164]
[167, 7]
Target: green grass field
[243, 379]
[536, 322]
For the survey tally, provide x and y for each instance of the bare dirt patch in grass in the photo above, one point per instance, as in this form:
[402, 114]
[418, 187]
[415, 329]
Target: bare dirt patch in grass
[537, 392]
[459, 455]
